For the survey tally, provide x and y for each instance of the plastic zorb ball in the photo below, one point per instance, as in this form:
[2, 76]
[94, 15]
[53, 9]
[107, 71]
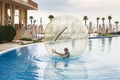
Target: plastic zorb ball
[66, 32]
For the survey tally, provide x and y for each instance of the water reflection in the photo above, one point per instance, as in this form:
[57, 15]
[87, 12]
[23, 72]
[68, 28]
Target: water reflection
[100, 44]
[90, 44]
[103, 44]
[66, 69]
[65, 63]
[110, 41]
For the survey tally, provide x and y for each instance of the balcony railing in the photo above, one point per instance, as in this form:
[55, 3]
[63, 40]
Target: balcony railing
[30, 2]
[26, 1]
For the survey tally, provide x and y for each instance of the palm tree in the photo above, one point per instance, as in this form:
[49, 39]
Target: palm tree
[110, 26]
[116, 22]
[51, 17]
[103, 26]
[85, 18]
[103, 19]
[97, 22]
[31, 19]
[109, 18]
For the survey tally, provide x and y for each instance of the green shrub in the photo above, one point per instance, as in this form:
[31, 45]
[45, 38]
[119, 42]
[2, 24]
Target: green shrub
[2, 34]
[36, 41]
[10, 33]
[118, 32]
[26, 39]
[7, 33]
[115, 33]
[0, 40]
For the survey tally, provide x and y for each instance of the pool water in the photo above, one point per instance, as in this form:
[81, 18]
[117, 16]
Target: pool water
[100, 61]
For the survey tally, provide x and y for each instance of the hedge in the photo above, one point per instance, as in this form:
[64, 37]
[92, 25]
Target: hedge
[7, 33]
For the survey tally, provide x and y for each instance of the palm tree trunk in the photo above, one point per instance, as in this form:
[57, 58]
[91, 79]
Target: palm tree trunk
[109, 21]
[97, 25]
[85, 23]
[110, 26]
[31, 21]
[50, 19]
[116, 27]
[103, 22]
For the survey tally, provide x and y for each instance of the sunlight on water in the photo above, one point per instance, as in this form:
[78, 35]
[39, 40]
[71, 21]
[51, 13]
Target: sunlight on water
[108, 51]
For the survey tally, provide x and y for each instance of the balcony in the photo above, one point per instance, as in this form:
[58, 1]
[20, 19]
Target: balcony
[27, 4]
[30, 2]
[26, 1]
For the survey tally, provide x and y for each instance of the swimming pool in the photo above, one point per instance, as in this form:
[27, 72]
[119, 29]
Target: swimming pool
[100, 61]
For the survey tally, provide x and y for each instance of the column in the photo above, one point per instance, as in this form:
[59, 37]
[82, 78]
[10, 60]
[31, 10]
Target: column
[3, 13]
[12, 14]
[6, 14]
[20, 18]
[22, 12]
[26, 17]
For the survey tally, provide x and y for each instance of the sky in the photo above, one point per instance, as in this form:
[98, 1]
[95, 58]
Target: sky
[78, 9]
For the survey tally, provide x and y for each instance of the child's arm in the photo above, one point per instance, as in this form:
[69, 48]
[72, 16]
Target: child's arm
[54, 51]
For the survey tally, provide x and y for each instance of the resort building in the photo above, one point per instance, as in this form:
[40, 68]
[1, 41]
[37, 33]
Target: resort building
[15, 10]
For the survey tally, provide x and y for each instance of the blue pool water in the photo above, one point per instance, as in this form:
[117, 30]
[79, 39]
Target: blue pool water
[100, 61]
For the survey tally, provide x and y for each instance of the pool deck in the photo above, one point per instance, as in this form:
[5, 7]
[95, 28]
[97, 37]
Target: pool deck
[17, 43]
[13, 44]
[7, 46]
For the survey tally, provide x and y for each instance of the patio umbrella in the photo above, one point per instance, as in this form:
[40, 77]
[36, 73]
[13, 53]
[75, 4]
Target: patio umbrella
[34, 31]
[28, 33]
[90, 29]
[40, 29]
[100, 29]
[110, 28]
[103, 29]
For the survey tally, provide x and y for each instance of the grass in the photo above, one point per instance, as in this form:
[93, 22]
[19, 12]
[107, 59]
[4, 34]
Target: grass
[37, 41]
[106, 34]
